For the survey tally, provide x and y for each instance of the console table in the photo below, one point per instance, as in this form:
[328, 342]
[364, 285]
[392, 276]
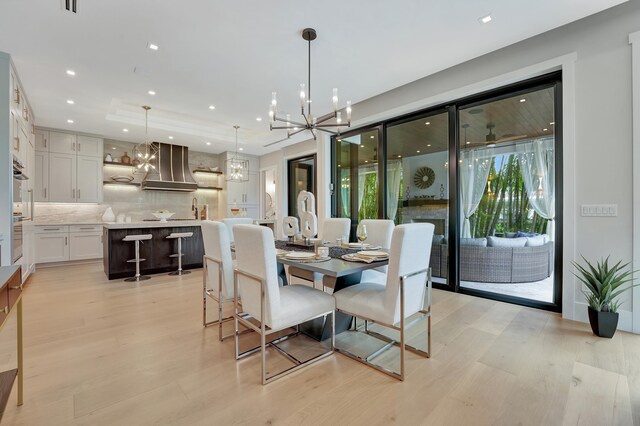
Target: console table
[10, 300]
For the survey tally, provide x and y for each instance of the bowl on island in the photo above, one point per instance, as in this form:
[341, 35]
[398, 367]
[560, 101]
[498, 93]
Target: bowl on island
[163, 215]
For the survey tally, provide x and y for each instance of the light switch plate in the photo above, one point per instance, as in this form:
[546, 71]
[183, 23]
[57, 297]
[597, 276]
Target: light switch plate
[599, 210]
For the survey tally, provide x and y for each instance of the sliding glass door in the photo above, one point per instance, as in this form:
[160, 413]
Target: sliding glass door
[507, 194]
[357, 181]
[417, 186]
[486, 171]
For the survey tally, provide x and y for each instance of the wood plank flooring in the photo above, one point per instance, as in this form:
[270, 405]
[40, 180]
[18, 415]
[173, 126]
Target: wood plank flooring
[100, 352]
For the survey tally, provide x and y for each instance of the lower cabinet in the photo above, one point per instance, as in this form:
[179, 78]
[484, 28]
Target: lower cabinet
[62, 243]
[85, 245]
[52, 247]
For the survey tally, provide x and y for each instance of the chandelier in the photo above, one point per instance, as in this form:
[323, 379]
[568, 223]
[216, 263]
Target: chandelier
[311, 123]
[236, 169]
[145, 152]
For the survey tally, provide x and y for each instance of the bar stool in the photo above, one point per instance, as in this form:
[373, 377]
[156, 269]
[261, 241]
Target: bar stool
[137, 239]
[179, 236]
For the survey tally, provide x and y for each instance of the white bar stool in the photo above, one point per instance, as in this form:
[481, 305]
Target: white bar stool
[137, 239]
[179, 236]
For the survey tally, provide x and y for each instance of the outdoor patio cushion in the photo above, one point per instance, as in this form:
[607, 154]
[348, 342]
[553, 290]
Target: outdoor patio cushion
[476, 242]
[535, 241]
[506, 242]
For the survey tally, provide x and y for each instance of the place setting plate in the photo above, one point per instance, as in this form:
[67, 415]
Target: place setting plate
[367, 256]
[304, 257]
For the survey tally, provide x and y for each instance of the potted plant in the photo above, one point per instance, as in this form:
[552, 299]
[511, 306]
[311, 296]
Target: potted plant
[603, 286]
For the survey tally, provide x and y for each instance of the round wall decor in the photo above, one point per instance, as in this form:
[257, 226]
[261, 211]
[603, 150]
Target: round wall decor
[424, 177]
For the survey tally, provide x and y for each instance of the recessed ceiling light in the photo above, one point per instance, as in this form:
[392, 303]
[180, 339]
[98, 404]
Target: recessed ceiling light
[113, 147]
[399, 156]
[71, 72]
[258, 118]
[418, 151]
[70, 101]
[212, 107]
[70, 121]
[366, 161]
[361, 146]
[485, 19]
[153, 46]
[151, 92]
[523, 100]
[241, 149]
[545, 129]
[208, 143]
[552, 123]
[372, 137]
[170, 137]
[125, 130]
[427, 123]
[428, 144]
[468, 142]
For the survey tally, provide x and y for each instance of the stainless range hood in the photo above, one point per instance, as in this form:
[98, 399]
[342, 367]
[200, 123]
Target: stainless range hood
[172, 170]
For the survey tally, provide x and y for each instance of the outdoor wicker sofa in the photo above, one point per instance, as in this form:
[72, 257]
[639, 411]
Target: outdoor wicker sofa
[496, 264]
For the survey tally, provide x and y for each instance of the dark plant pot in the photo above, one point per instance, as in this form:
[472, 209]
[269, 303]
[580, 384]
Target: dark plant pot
[603, 324]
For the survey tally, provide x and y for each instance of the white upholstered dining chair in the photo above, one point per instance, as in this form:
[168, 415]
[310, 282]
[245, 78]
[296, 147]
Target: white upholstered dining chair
[217, 276]
[403, 296]
[378, 234]
[266, 307]
[335, 227]
[231, 222]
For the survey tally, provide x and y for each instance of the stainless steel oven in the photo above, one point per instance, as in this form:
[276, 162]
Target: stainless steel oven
[20, 208]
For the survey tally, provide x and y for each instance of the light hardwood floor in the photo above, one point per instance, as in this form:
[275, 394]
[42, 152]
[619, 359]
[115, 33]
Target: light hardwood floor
[100, 352]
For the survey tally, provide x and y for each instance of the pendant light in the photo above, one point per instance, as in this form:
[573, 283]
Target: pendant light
[146, 152]
[236, 169]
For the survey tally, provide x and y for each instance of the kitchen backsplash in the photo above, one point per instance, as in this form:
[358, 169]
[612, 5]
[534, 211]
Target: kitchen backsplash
[134, 202]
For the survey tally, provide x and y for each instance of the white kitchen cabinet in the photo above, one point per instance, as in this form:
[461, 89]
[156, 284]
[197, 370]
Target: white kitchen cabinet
[62, 143]
[89, 179]
[52, 247]
[62, 177]
[88, 146]
[85, 245]
[42, 140]
[40, 176]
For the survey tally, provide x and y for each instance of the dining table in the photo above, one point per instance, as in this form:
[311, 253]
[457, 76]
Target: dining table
[336, 273]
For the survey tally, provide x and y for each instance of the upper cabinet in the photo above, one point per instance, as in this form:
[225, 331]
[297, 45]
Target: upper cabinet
[62, 143]
[69, 167]
[42, 140]
[88, 146]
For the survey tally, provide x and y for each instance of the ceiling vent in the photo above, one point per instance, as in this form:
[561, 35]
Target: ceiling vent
[70, 5]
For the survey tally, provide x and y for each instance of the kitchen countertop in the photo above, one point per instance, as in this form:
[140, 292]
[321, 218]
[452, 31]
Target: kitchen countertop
[152, 224]
[76, 222]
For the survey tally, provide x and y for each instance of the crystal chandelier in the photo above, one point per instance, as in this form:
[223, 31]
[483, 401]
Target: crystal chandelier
[236, 169]
[146, 151]
[311, 123]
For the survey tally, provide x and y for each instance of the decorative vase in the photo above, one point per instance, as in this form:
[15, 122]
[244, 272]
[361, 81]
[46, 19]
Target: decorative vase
[108, 158]
[125, 159]
[603, 324]
[108, 215]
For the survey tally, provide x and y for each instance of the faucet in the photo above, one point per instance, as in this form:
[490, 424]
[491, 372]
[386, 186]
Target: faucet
[194, 208]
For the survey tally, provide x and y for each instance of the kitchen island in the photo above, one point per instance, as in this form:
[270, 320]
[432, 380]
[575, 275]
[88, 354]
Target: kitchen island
[156, 251]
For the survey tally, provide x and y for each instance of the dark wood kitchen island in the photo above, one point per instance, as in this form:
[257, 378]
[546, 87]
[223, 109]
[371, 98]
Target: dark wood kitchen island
[156, 251]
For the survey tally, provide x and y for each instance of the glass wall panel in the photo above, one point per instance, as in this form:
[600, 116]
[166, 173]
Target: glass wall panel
[302, 177]
[507, 195]
[417, 184]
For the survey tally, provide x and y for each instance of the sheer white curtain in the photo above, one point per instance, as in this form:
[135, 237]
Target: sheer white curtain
[538, 173]
[474, 171]
[345, 191]
[394, 174]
